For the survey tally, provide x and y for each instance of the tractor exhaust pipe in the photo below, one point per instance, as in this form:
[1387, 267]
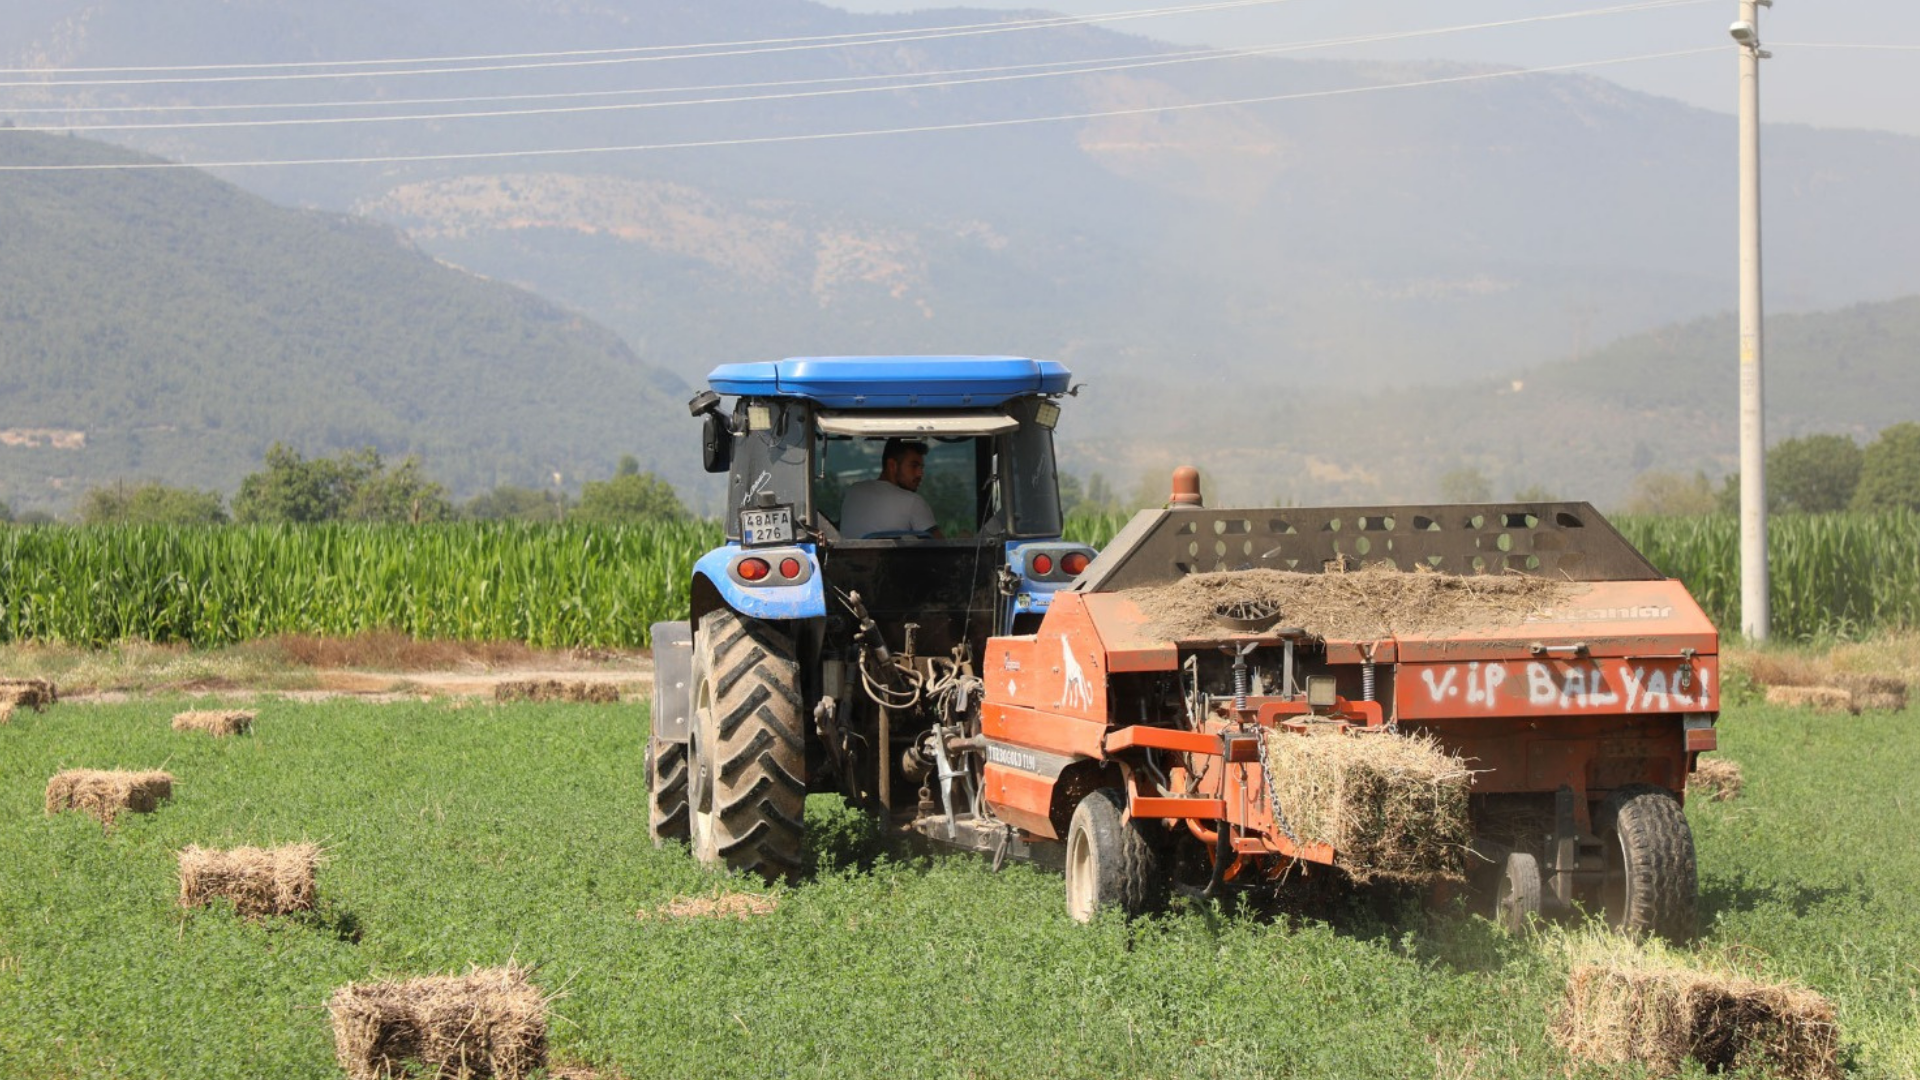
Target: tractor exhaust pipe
[1186, 487]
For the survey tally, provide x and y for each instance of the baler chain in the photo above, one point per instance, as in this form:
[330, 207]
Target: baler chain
[1273, 800]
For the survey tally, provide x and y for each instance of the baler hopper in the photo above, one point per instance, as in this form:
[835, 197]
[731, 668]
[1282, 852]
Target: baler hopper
[1509, 694]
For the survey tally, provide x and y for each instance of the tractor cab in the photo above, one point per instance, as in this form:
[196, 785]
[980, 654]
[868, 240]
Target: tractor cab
[869, 635]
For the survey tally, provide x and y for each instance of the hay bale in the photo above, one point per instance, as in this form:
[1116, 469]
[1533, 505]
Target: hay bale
[1828, 699]
[215, 722]
[259, 881]
[1717, 779]
[105, 794]
[35, 694]
[1661, 1016]
[6, 713]
[489, 1022]
[1389, 805]
[1873, 693]
[595, 693]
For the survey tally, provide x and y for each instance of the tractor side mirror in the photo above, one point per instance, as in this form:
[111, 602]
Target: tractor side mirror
[716, 443]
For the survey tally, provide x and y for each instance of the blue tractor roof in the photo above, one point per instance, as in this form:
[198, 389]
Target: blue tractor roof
[878, 382]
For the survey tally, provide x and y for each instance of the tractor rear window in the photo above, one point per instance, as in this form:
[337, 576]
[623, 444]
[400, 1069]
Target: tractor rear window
[954, 473]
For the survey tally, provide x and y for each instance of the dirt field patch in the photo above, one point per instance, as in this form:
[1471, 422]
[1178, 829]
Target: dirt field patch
[587, 691]
[742, 906]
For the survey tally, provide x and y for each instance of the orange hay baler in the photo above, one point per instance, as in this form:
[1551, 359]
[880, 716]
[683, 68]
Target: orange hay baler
[1579, 709]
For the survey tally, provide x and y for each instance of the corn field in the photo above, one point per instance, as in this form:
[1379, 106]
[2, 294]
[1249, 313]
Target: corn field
[549, 585]
[561, 585]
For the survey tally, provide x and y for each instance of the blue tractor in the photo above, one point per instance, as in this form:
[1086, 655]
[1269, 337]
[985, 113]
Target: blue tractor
[817, 661]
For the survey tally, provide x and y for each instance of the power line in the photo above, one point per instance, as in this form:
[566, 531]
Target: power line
[716, 51]
[931, 80]
[766, 140]
[1841, 45]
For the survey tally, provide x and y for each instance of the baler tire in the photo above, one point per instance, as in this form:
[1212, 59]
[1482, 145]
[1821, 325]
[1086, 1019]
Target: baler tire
[747, 759]
[1517, 897]
[1111, 862]
[666, 791]
[1651, 885]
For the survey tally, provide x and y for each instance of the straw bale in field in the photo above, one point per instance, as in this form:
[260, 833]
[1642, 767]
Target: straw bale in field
[1389, 805]
[490, 1022]
[215, 721]
[1375, 602]
[1874, 693]
[105, 794]
[1660, 1016]
[259, 881]
[6, 713]
[35, 694]
[1717, 779]
[594, 693]
[1817, 698]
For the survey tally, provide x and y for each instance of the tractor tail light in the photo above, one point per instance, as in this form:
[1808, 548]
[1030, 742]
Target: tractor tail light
[789, 568]
[1043, 564]
[754, 569]
[1073, 563]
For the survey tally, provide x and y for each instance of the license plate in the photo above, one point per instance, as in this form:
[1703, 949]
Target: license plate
[770, 526]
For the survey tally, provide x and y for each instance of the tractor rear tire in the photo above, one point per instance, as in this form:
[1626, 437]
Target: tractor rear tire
[747, 759]
[1651, 885]
[1112, 864]
[666, 791]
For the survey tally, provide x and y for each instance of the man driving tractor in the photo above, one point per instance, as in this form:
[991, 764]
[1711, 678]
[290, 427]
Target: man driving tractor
[891, 505]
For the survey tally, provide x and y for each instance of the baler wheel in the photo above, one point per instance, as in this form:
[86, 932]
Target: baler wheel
[1111, 862]
[1651, 883]
[666, 791]
[1517, 900]
[747, 760]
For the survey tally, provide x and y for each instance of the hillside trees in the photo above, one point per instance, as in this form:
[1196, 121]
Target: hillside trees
[355, 486]
[1890, 471]
[151, 503]
[631, 495]
[512, 502]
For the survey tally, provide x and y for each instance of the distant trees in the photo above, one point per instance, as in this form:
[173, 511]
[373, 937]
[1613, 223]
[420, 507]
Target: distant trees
[631, 495]
[1671, 494]
[151, 503]
[1890, 471]
[6, 512]
[510, 502]
[355, 486]
[1465, 485]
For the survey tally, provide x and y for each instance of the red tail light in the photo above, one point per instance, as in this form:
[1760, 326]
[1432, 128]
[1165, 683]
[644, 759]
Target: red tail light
[1074, 562]
[789, 568]
[1043, 564]
[754, 569]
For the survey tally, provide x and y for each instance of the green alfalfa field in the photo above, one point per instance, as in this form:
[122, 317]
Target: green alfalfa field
[461, 833]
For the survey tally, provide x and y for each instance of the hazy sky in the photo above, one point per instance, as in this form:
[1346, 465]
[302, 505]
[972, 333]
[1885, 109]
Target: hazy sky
[1831, 87]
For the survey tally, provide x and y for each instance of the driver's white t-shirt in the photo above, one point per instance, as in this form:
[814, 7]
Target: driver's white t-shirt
[874, 506]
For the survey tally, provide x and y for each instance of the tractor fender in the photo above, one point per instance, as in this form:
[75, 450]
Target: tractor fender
[714, 585]
[672, 680]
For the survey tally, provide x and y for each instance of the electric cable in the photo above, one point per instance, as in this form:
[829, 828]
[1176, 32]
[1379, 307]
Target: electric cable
[770, 140]
[930, 81]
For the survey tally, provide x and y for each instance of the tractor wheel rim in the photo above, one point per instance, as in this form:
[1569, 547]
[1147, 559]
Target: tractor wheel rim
[1080, 873]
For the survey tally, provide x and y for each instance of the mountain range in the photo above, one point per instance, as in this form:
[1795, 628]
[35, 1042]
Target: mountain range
[1407, 237]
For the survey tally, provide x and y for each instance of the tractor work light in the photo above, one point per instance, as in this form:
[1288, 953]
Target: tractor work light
[1321, 692]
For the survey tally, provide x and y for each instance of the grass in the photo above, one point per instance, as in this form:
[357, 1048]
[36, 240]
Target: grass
[463, 834]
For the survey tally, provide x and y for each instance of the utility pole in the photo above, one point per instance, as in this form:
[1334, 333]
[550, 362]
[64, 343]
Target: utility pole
[1754, 615]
